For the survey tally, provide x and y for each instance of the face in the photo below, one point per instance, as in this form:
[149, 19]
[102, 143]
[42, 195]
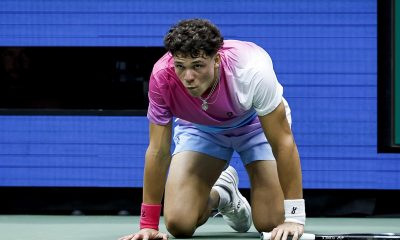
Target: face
[196, 74]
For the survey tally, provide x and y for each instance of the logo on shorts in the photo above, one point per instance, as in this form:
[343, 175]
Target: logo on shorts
[177, 139]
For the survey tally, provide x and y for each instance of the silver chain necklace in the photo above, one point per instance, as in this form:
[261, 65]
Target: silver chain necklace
[204, 105]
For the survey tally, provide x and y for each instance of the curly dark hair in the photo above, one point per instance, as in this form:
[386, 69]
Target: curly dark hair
[193, 37]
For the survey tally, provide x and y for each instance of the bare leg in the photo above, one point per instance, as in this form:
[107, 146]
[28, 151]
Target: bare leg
[266, 195]
[188, 197]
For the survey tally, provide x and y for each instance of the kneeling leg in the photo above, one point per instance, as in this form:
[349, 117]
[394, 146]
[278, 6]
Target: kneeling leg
[266, 195]
[188, 197]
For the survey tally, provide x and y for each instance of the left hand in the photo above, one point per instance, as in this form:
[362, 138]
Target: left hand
[282, 231]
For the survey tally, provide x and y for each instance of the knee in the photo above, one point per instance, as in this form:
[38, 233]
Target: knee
[267, 224]
[267, 218]
[180, 226]
[265, 227]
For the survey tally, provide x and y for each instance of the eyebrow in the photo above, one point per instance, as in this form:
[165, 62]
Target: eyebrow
[194, 62]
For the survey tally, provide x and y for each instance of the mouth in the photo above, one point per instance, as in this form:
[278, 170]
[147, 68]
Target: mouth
[194, 91]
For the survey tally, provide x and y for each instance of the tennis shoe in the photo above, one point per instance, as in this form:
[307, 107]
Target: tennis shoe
[237, 213]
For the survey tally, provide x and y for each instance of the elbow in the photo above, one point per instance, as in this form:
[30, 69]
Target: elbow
[158, 153]
[285, 146]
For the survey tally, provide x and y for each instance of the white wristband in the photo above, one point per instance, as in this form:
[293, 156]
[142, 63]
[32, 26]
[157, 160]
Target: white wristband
[295, 211]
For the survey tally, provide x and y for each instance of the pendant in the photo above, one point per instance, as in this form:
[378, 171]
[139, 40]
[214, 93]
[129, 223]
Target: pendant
[204, 105]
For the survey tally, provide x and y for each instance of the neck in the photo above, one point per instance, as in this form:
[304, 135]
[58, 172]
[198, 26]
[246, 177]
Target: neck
[212, 86]
[205, 94]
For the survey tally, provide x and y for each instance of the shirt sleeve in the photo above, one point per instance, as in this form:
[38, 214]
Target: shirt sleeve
[158, 111]
[267, 91]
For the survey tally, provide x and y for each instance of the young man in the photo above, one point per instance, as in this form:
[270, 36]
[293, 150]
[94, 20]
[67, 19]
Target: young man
[226, 98]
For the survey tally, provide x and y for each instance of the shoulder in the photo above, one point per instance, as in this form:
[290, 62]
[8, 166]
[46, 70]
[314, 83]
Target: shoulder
[164, 65]
[239, 56]
[243, 51]
[163, 71]
[245, 61]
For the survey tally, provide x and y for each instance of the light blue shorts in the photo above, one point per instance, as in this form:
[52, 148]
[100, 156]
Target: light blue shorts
[251, 146]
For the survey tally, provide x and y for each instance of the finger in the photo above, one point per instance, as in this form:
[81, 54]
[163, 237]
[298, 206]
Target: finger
[301, 231]
[165, 236]
[273, 233]
[285, 235]
[296, 235]
[137, 237]
[146, 236]
[278, 234]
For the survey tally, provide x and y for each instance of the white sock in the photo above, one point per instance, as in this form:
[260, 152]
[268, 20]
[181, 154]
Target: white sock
[224, 197]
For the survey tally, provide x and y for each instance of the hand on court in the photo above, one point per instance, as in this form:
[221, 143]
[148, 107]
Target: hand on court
[146, 234]
[282, 231]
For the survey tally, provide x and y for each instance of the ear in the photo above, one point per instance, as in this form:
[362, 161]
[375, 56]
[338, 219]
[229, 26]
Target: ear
[217, 61]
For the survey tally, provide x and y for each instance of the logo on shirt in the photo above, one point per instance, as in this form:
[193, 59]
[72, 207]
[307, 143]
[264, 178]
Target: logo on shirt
[229, 114]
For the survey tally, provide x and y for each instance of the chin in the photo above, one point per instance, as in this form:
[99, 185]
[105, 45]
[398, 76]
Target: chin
[194, 93]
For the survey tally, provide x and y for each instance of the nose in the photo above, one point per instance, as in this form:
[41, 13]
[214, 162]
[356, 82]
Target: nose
[189, 76]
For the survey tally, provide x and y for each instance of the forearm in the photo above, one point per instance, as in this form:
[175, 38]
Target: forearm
[289, 168]
[279, 134]
[155, 175]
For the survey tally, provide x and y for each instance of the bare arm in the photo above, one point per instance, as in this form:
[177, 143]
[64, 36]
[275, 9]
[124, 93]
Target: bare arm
[279, 135]
[158, 159]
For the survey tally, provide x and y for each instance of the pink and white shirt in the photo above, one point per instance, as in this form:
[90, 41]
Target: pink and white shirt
[248, 87]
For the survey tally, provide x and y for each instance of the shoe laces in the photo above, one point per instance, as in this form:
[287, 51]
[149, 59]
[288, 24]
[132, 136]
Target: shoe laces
[229, 208]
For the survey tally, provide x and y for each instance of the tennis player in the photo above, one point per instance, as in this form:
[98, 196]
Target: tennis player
[225, 97]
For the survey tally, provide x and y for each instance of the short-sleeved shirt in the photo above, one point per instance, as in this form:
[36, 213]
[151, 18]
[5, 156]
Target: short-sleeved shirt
[247, 87]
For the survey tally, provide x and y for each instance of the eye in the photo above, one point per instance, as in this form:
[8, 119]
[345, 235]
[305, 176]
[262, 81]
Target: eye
[197, 66]
[178, 66]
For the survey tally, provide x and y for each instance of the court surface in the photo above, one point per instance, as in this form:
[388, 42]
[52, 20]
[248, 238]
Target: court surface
[29, 227]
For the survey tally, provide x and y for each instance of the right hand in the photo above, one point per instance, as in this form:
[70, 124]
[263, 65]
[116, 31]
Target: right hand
[146, 234]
